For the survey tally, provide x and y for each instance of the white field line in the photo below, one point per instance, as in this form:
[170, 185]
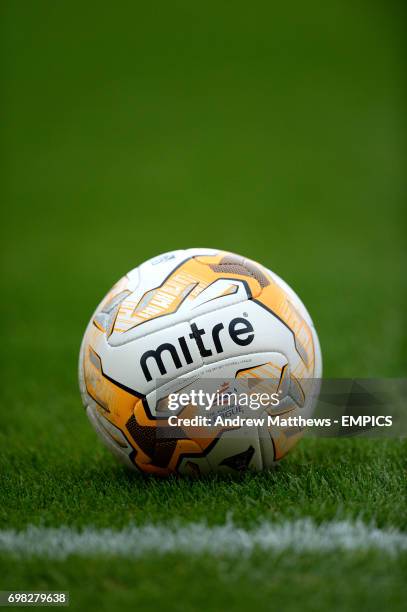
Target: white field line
[299, 536]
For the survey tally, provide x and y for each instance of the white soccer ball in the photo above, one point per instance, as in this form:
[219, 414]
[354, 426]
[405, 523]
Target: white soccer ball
[188, 318]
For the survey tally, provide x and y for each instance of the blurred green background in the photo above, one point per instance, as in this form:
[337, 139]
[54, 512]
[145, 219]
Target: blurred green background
[273, 130]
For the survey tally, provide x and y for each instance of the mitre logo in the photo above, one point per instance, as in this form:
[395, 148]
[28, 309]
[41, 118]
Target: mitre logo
[240, 330]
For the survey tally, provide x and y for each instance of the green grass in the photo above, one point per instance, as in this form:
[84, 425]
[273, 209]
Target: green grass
[322, 479]
[325, 583]
[275, 132]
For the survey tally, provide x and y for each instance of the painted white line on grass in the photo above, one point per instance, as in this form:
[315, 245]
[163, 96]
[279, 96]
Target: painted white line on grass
[197, 538]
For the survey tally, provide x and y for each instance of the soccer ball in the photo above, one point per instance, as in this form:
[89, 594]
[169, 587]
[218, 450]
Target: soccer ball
[182, 318]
